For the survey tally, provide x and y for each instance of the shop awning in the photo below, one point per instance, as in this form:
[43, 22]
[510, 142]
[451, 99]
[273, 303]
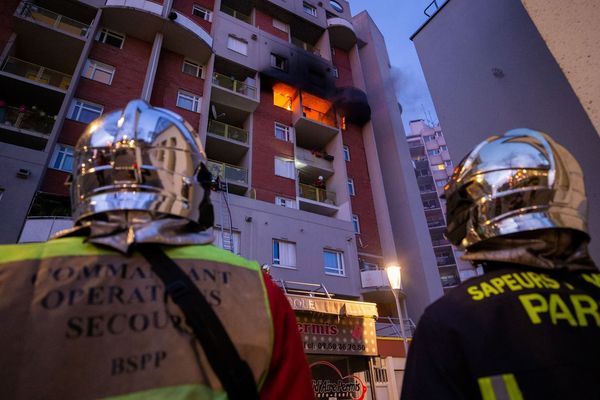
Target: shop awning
[330, 306]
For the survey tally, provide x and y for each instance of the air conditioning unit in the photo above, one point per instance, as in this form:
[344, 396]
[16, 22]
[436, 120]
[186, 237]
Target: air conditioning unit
[23, 173]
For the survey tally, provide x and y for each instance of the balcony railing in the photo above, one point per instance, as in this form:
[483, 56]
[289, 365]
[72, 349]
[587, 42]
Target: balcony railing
[36, 73]
[31, 120]
[304, 45]
[390, 327]
[324, 118]
[314, 193]
[53, 19]
[234, 85]
[236, 14]
[227, 131]
[228, 172]
[445, 261]
[435, 224]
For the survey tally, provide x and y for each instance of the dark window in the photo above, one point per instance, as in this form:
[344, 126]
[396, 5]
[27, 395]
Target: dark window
[279, 62]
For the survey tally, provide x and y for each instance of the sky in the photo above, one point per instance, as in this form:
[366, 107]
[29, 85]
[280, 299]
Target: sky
[398, 20]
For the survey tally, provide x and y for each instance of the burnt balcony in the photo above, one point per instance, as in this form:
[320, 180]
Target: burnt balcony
[314, 121]
[235, 93]
[51, 19]
[236, 177]
[38, 74]
[226, 142]
[316, 200]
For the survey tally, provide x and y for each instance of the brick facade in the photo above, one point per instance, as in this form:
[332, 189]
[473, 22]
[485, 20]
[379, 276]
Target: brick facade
[264, 22]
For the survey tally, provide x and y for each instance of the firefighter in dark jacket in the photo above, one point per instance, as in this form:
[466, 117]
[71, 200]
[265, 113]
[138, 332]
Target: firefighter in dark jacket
[529, 327]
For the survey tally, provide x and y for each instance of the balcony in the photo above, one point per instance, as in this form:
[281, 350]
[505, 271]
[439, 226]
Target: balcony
[449, 276]
[236, 14]
[25, 128]
[444, 260]
[226, 142]
[51, 19]
[341, 33]
[235, 93]
[236, 177]
[37, 73]
[318, 201]
[314, 163]
[374, 279]
[40, 229]
[314, 121]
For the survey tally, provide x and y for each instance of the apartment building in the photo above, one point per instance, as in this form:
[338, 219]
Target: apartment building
[289, 100]
[492, 66]
[433, 167]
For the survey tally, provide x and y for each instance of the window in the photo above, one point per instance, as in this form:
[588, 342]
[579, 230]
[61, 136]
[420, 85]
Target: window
[440, 167]
[443, 148]
[448, 163]
[111, 38]
[202, 12]
[356, 223]
[429, 138]
[335, 72]
[62, 159]
[351, 187]
[189, 101]
[234, 242]
[285, 167]
[282, 26]
[336, 6]
[430, 204]
[433, 152]
[333, 262]
[367, 266]
[285, 202]
[441, 183]
[98, 71]
[282, 132]
[192, 68]
[309, 9]
[237, 45]
[346, 153]
[422, 172]
[284, 254]
[84, 111]
[279, 62]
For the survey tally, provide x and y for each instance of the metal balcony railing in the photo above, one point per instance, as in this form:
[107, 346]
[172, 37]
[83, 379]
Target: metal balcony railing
[324, 118]
[36, 73]
[236, 14]
[31, 120]
[231, 173]
[303, 45]
[314, 193]
[53, 19]
[390, 327]
[227, 131]
[234, 85]
[441, 261]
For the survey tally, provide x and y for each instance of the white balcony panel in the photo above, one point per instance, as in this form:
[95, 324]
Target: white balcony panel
[139, 4]
[42, 229]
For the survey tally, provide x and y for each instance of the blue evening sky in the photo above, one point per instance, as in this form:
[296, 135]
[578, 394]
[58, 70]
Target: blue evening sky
[398, 20]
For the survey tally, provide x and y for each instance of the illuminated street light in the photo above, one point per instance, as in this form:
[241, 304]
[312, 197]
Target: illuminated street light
[394, 275]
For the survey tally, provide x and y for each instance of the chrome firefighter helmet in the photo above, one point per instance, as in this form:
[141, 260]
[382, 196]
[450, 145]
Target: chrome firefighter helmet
[518, 182]
[140, 158]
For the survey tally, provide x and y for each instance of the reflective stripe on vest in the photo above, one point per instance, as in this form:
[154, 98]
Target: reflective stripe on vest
[499, 387]
[87, 322]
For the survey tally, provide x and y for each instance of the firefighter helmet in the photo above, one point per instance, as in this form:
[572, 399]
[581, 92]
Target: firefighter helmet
[518, 182]
[140, 158]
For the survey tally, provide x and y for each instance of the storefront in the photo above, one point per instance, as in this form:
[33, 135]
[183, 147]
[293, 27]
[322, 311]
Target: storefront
[339, 340]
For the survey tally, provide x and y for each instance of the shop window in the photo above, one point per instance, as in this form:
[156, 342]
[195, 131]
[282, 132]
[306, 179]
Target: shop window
[192, 68]
[84, 111]
[284, 254]
[189, 101]
[98, 71]
[285, 167]
[62, 159]
[333, 262]
[238, 45]
[283, 132]
[202, 12]
[111, 38]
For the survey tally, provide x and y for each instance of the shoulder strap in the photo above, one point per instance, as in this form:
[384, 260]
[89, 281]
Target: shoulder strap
[233, 372]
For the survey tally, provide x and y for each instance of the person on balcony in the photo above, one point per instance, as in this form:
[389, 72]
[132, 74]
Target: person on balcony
[320, 183]
[528, 328]
[134, 302]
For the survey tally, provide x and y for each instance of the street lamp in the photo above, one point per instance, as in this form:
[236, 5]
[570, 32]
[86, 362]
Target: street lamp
[394, 275]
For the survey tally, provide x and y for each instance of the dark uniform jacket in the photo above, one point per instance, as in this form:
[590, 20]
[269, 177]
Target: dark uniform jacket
[514, 333]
